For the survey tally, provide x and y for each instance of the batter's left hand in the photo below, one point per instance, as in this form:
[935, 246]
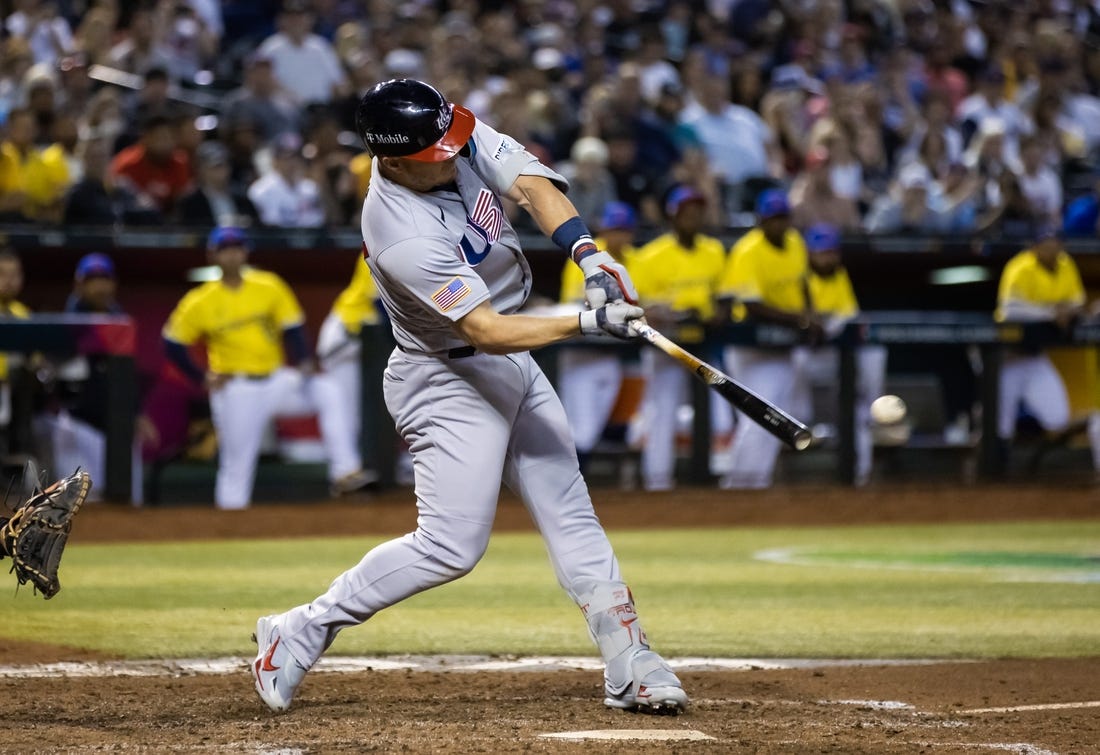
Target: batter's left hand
[606, 280]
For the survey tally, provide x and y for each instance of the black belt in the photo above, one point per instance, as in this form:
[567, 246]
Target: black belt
[458, 352]
[249, 376]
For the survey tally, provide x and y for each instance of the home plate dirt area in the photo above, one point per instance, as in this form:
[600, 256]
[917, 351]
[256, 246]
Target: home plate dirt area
[1031, 707]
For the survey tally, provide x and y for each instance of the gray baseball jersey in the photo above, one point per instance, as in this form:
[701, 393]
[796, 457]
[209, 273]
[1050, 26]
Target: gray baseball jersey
[436, 256]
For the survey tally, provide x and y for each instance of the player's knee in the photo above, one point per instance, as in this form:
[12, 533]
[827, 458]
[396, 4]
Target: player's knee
[457, 548]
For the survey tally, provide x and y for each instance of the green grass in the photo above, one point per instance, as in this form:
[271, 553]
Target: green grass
[946, 591]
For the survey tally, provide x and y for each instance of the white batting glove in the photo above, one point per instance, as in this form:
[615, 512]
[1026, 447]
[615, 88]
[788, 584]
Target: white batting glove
[605, 280]
[611, 319]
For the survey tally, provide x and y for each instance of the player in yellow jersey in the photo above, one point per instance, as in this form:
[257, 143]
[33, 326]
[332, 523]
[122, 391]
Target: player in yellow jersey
[677, 276]
[336, 387]
[833, 299]
[765, 277]
[243, 319]
[1039, 284]
[589, 378]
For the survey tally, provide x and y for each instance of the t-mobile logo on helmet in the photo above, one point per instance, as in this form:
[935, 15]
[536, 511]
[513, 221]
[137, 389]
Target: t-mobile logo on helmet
[385, 138]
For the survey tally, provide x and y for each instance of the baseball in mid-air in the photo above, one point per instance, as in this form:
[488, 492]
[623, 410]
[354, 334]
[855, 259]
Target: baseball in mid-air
[888, 410]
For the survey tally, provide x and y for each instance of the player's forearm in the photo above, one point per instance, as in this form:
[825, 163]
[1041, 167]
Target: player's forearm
[507, 334]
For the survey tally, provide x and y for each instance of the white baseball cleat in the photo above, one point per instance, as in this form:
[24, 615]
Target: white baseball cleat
[275, 671]
[654, 689]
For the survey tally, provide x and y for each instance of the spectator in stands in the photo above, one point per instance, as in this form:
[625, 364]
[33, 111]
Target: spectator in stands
[32, 181]
[635, 183]
[151, 99]
[40, 89]
[189, 40]
[985, 158]
[213, 201]
[65, 136]
[738, 142]
[327, 166]
[96, 199]
[14, 64]
[305, 64]
[813, 199]
[103, 117]
[262, 100]
[47, 32]
[95, 33]
[284, 196]
[934, 131]
[989, 102]
[155, 168]
[75, 86]
[242, 138]
[141, 49]
[1040, 185]
[591, 185]
[786, 109]
[910, 206]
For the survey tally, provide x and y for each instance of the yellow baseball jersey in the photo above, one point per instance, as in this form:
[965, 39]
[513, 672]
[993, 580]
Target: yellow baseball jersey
[1026, 281]
[19, 311]
[356, 304]
[572, 279]
[759, 271]
[833, 295]
[665, 272]
[242, 327]
[42, 175]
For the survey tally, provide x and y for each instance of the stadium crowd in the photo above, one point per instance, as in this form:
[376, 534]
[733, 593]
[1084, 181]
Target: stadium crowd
[936, 116]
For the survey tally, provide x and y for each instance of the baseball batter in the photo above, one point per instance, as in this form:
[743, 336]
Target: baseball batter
[465, 392]
[335, 389]
[243, 319]
[1039, 284]
[766, 275]
[677, 276]
[589, 378]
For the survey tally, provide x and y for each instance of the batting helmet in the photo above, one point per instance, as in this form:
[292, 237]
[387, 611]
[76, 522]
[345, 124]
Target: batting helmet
[408, 118]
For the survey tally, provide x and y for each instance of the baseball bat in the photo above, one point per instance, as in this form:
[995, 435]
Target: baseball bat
[762, 412]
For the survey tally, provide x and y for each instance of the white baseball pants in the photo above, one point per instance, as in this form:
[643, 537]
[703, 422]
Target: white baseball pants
[1035, 382]
[241, 411]
[589, 380]
[335, 391]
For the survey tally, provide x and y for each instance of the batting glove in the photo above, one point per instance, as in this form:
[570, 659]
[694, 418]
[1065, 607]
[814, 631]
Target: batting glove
[613, 318]
[604, 279]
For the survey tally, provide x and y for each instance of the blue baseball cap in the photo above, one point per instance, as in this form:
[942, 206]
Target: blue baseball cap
[680, 196]
[618, 216]
[772, 202]
[225, 236]
[95, 265]
[822, 237]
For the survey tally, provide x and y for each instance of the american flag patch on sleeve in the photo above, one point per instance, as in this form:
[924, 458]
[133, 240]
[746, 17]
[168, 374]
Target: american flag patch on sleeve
[451, 294]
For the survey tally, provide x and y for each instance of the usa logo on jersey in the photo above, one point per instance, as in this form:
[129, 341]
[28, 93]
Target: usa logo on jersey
[483, 227]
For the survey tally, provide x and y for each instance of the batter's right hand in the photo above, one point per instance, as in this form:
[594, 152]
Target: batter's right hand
[611, 318]
[215, 380]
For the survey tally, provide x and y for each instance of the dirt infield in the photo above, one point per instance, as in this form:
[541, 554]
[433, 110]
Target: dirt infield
[1020, 706]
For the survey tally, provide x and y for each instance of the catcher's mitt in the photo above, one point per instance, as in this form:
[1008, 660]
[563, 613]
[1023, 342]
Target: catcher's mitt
[36, 534]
